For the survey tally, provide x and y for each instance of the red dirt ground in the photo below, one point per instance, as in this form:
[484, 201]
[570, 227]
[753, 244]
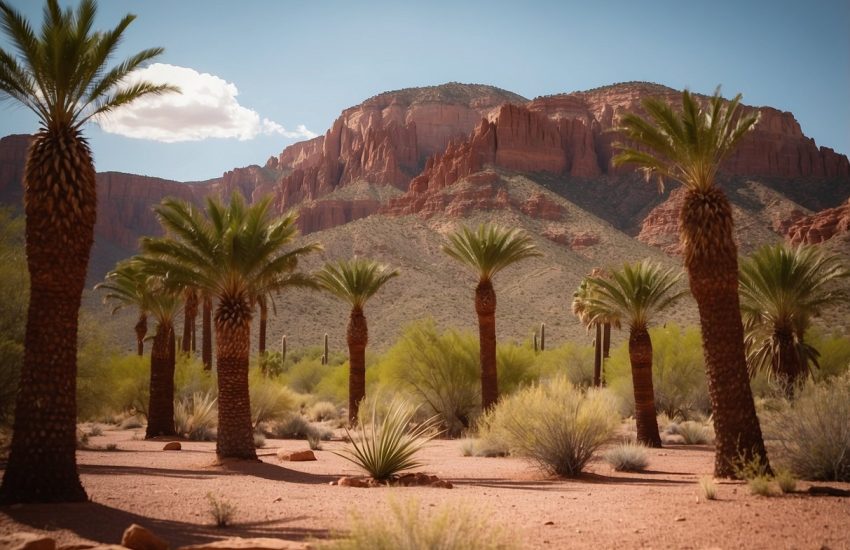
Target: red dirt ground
[658, 508]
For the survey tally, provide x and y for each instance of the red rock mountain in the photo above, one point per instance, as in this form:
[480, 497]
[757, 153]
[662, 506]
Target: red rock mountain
[418, 143]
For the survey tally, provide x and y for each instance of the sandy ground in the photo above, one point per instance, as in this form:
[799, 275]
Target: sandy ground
[659, 508]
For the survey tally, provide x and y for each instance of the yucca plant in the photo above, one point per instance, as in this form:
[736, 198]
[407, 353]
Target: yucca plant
[387, 446]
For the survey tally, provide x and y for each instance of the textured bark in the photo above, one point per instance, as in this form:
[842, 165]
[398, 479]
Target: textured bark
[640, 355]
[141, 332]
[485, 307]
[711, 260]
[357, 335]
[61, 204]
[789, 367]
[161, 404]
[190, 313]
[606, 340]
[597, 356]
[264, 317]
[233, 338]
[206, 334]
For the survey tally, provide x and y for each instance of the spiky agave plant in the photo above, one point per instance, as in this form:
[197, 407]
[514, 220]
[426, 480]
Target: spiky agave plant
[61, 75]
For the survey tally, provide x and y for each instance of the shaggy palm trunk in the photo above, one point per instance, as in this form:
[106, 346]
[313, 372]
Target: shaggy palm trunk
[61, 206]
[640, 355]
[190, 312]
[712, 262]
[161, 404]
[233, 339]
[206, 333]
[789, 365]
[485, 307]
[357, 335]
[264, 317]
[606, 340]
[141, 332]
[597, 356]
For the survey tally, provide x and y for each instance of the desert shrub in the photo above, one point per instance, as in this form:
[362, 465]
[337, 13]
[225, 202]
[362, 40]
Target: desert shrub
[101, 388]
[448, 527]
[334, 384]
[190, 378]
[760, 485]
[95, 430]
[296, 426]
[811, 435]
[678, 373]
[708, 488]
[270, 399]
[221, 510]
[111, 447]
[131, 422]
[571, 360]
[694, 433]
[196, 417]
[314, 441]
[555, 424]
[627, 457]
[305, 375]
[259, 440]
[439, 371]
[323, 410]
[786, 481]
[484, 447]
[515, 366]
[387, 446]
[834, 352]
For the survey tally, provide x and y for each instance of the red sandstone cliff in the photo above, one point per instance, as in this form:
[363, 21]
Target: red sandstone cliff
[820, 226]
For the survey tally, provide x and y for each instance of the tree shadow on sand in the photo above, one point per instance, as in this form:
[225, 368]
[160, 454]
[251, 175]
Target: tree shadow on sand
[97, 522]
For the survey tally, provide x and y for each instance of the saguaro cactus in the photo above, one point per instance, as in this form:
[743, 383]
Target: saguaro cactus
[542, 336]
[325, 355]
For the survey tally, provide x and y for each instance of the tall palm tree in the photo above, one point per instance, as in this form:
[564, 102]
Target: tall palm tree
[235, 253]
[782, 290]
[634, 295]
[688, 147]
[486, 251]
[131, 284]
[190, 313]
[354, 282]
[61, 75]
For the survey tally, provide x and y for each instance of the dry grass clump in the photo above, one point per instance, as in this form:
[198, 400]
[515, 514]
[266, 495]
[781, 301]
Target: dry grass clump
[322, 411]
[692, 432]
[708, 488]
[221, 510]
[627, 457]
[196, 417]
[556, 425]
[483, 447]
[448, 527]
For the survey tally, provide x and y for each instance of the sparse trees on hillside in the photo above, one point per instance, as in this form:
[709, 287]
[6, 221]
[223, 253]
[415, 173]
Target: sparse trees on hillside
[486, 251]
[61, 75]
[688, 146]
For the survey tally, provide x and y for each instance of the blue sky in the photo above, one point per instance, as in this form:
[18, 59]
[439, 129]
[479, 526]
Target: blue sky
[299, 63]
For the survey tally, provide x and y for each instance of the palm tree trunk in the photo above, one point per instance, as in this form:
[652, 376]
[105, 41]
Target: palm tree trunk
[485, 307]
[206, 335]
[711, 260]
[357, 335]
[161, 404]
[788, 362]
[61, 203]
[597, 356]
[190, 312]
[233, 340]
[141, 332]
[264, 316]
[640, 355]
[606, 340]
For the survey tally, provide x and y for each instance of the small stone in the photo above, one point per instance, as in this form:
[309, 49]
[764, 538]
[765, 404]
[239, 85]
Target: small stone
[297, 456]
[137, 537]
[172, 446]
[352, 482]
[679, 518]
[27, 541]
[549, 523]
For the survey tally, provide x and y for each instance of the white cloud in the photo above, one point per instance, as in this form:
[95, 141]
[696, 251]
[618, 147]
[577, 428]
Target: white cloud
[206, 108]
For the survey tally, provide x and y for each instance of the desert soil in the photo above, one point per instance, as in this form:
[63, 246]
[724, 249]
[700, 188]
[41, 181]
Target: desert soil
[166, 491]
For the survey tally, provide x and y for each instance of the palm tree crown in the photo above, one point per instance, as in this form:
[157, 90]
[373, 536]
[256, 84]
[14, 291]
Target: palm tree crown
[354, 281]
[489, 249]
[61, 73]
[632, 295]
[686, 147]
[782, 290]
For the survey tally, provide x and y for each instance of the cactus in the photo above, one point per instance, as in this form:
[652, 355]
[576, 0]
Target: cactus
[325, 356]
[542, 336]
[283, 349]
[535, 343]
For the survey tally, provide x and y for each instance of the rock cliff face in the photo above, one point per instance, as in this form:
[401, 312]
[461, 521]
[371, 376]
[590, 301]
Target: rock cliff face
[820, 226]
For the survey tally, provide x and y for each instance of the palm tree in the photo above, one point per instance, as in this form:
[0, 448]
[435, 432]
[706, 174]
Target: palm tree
[130, 284]
[235, 253]
[190, 313]
[688, 147]
[206, 331]
[355, 281]
[601, 343]
[61, 75]
[782, 290]
[486, 251]
[634, 295]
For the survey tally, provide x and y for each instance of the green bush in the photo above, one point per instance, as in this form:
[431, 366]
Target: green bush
[270, 398]
[811, 435]
[556, 425]
[387, 446]
[406, 527]
[678, 373]
[323, 410]
[834, 352]
[190, 377]
[573, 360]
[102, 389]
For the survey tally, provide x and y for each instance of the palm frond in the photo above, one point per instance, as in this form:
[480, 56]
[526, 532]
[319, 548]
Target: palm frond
[489, 249]
[354, 281]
